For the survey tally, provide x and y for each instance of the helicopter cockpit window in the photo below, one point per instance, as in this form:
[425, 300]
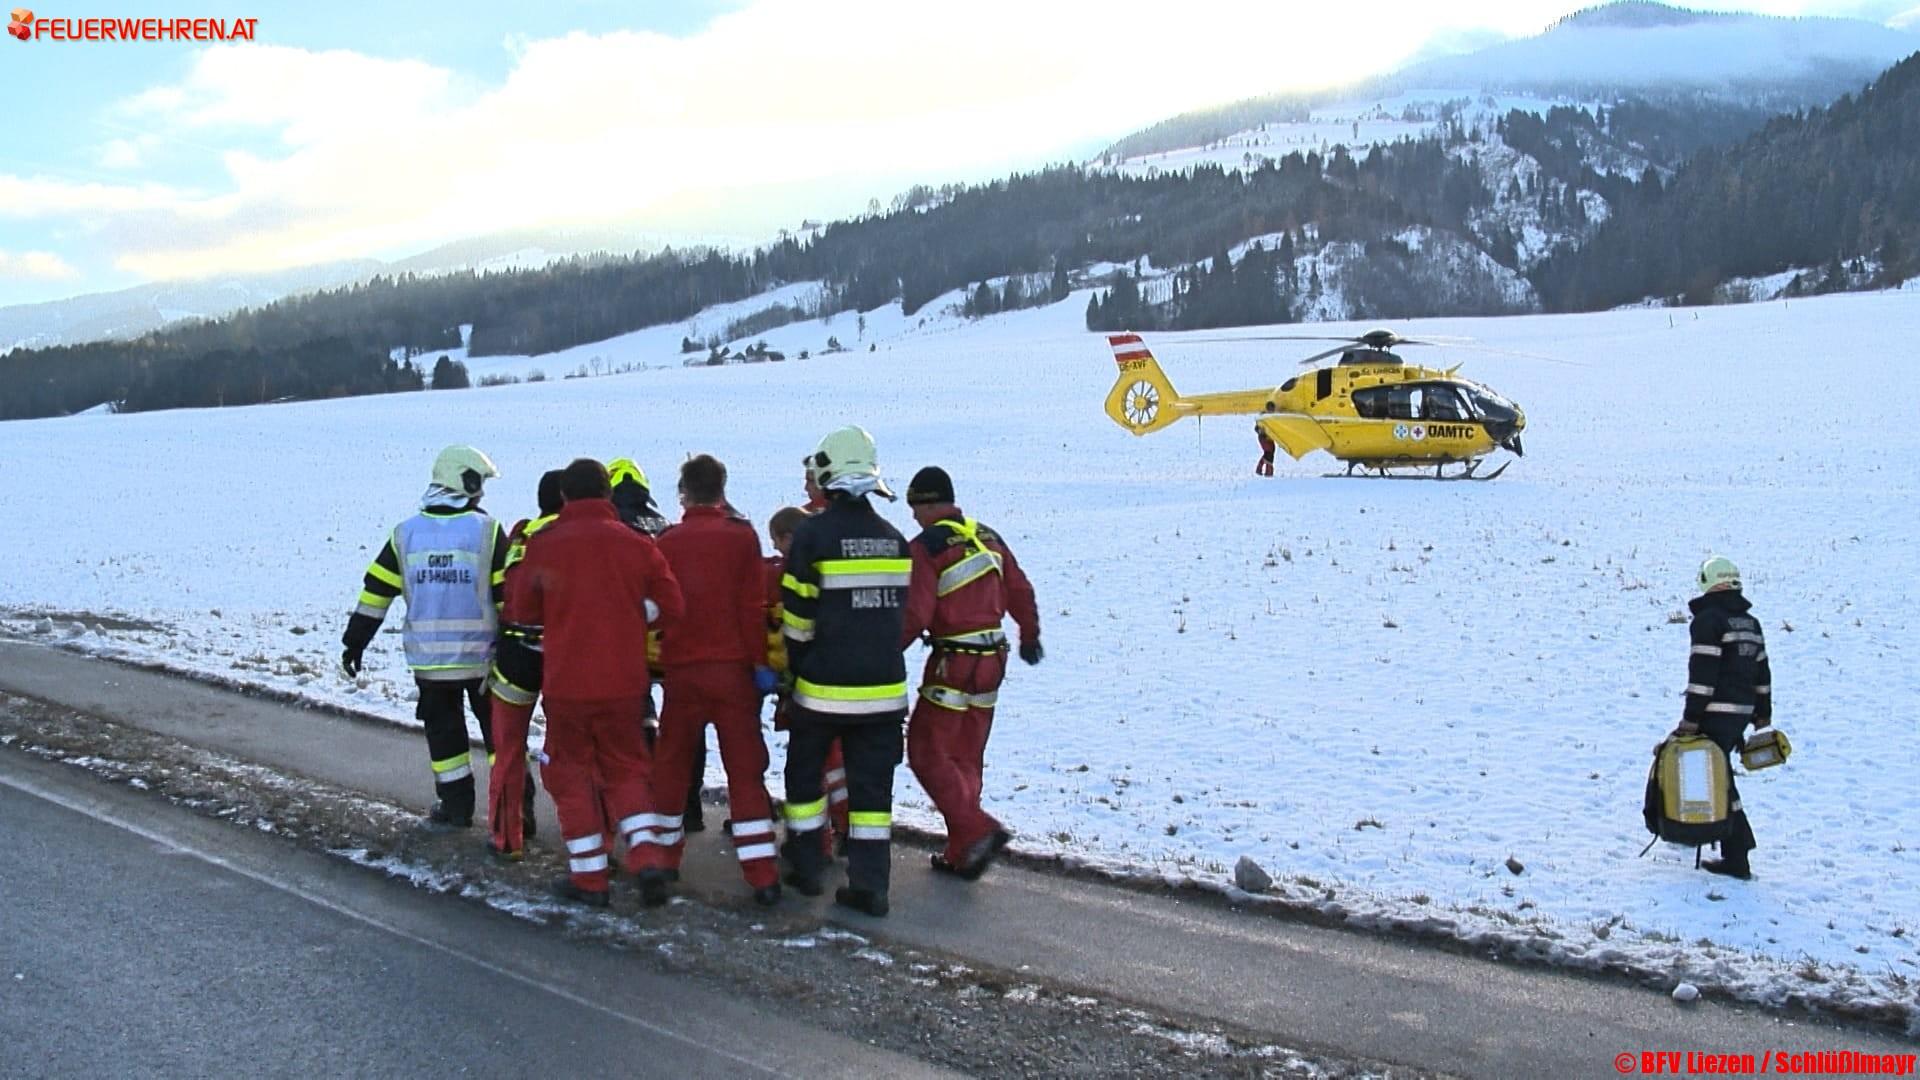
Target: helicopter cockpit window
[1371, 403]
[1442, 403]
[1488, 405]
[1403, 403]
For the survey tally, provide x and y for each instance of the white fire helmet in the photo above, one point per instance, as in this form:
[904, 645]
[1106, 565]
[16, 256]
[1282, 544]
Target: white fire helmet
[463, 469]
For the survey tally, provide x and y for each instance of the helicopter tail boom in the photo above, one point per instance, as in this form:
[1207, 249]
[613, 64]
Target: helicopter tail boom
[1142, 399]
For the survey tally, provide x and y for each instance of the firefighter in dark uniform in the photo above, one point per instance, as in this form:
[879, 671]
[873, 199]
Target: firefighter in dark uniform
[449, 562]
[1729, 685]
[844, 595]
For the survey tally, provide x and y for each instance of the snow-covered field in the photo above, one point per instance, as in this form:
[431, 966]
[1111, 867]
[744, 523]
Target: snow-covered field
[1380, 691]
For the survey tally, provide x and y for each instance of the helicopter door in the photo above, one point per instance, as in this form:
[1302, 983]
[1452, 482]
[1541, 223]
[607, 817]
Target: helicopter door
[1323, 384]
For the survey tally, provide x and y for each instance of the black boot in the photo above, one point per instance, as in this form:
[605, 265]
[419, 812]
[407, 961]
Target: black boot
[565, 889]
[1729, 868]
[805, 863]
[942, 866]
[982, 853]
[653, 887]
[862, 900]
[442, 816]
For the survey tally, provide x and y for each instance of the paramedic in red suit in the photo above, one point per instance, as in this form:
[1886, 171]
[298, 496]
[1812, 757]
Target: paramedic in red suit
[716, 668]
[592, 588]
[964, 581]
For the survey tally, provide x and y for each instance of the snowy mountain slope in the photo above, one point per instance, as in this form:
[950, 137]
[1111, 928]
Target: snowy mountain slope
[129, 313]
[1649, 49]
[1629, 49]
[1379, 690]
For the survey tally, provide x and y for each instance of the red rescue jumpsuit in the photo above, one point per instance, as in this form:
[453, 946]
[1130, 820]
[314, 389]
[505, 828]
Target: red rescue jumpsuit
[708, 661]
[515, 685]
[586, 587]
[964, 581]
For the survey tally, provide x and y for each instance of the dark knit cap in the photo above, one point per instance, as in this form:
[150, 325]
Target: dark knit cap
[930, 485]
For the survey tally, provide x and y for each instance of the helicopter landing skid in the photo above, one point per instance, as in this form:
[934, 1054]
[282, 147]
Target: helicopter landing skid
[1372, 471]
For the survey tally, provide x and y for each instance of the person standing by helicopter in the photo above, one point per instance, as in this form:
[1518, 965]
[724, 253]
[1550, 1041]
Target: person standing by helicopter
[1263, 467]
[1729, 685]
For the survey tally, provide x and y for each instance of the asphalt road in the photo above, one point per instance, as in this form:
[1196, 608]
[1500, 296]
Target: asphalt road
[1376, 997]
[140, 939]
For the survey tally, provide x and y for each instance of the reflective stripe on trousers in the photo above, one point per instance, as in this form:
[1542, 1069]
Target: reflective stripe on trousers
[458, 767]
[869, 825]
[805, 817]
[753, 840]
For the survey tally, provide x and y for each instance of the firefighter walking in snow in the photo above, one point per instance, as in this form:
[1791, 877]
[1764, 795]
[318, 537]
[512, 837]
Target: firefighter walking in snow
[715, 662]
[515, 685]
[965, 580]
[844, 598]
[449, 563]
[1729, 685]
[592, 587]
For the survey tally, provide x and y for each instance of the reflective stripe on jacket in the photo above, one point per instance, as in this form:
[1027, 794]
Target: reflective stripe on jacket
[1728, 676]
[844, 600]
[965, 580]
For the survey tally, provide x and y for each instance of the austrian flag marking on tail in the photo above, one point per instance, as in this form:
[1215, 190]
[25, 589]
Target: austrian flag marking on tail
[1128, 348]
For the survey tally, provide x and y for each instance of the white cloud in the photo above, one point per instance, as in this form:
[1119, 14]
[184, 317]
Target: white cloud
[123, 154]
[852, 97]
[773, 112]
[36, 197]
[35, 266]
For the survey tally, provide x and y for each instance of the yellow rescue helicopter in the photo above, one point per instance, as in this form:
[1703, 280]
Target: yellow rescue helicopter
[1370, 409]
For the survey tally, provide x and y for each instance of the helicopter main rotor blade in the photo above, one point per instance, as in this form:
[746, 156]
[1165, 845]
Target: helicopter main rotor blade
[1282, 337]
[1319, 356]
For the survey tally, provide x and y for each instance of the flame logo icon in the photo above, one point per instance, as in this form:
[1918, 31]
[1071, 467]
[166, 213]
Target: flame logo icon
[22, 24]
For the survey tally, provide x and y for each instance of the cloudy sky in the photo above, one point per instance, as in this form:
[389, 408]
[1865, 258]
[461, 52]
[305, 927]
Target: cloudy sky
[381, 130]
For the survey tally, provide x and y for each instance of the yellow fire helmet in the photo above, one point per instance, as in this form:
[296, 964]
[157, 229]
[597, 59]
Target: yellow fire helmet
[623, 469]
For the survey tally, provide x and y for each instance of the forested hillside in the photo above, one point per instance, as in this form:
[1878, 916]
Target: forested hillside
[1830, 186]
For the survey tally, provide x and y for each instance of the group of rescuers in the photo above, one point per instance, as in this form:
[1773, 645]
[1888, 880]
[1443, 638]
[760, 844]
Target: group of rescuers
[585, 606]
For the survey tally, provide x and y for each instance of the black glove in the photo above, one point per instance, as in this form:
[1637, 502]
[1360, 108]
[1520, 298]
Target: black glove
[350, 661]
[1031, 652]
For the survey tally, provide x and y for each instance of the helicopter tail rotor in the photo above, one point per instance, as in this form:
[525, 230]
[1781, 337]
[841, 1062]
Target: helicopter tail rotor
[1142, 398]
